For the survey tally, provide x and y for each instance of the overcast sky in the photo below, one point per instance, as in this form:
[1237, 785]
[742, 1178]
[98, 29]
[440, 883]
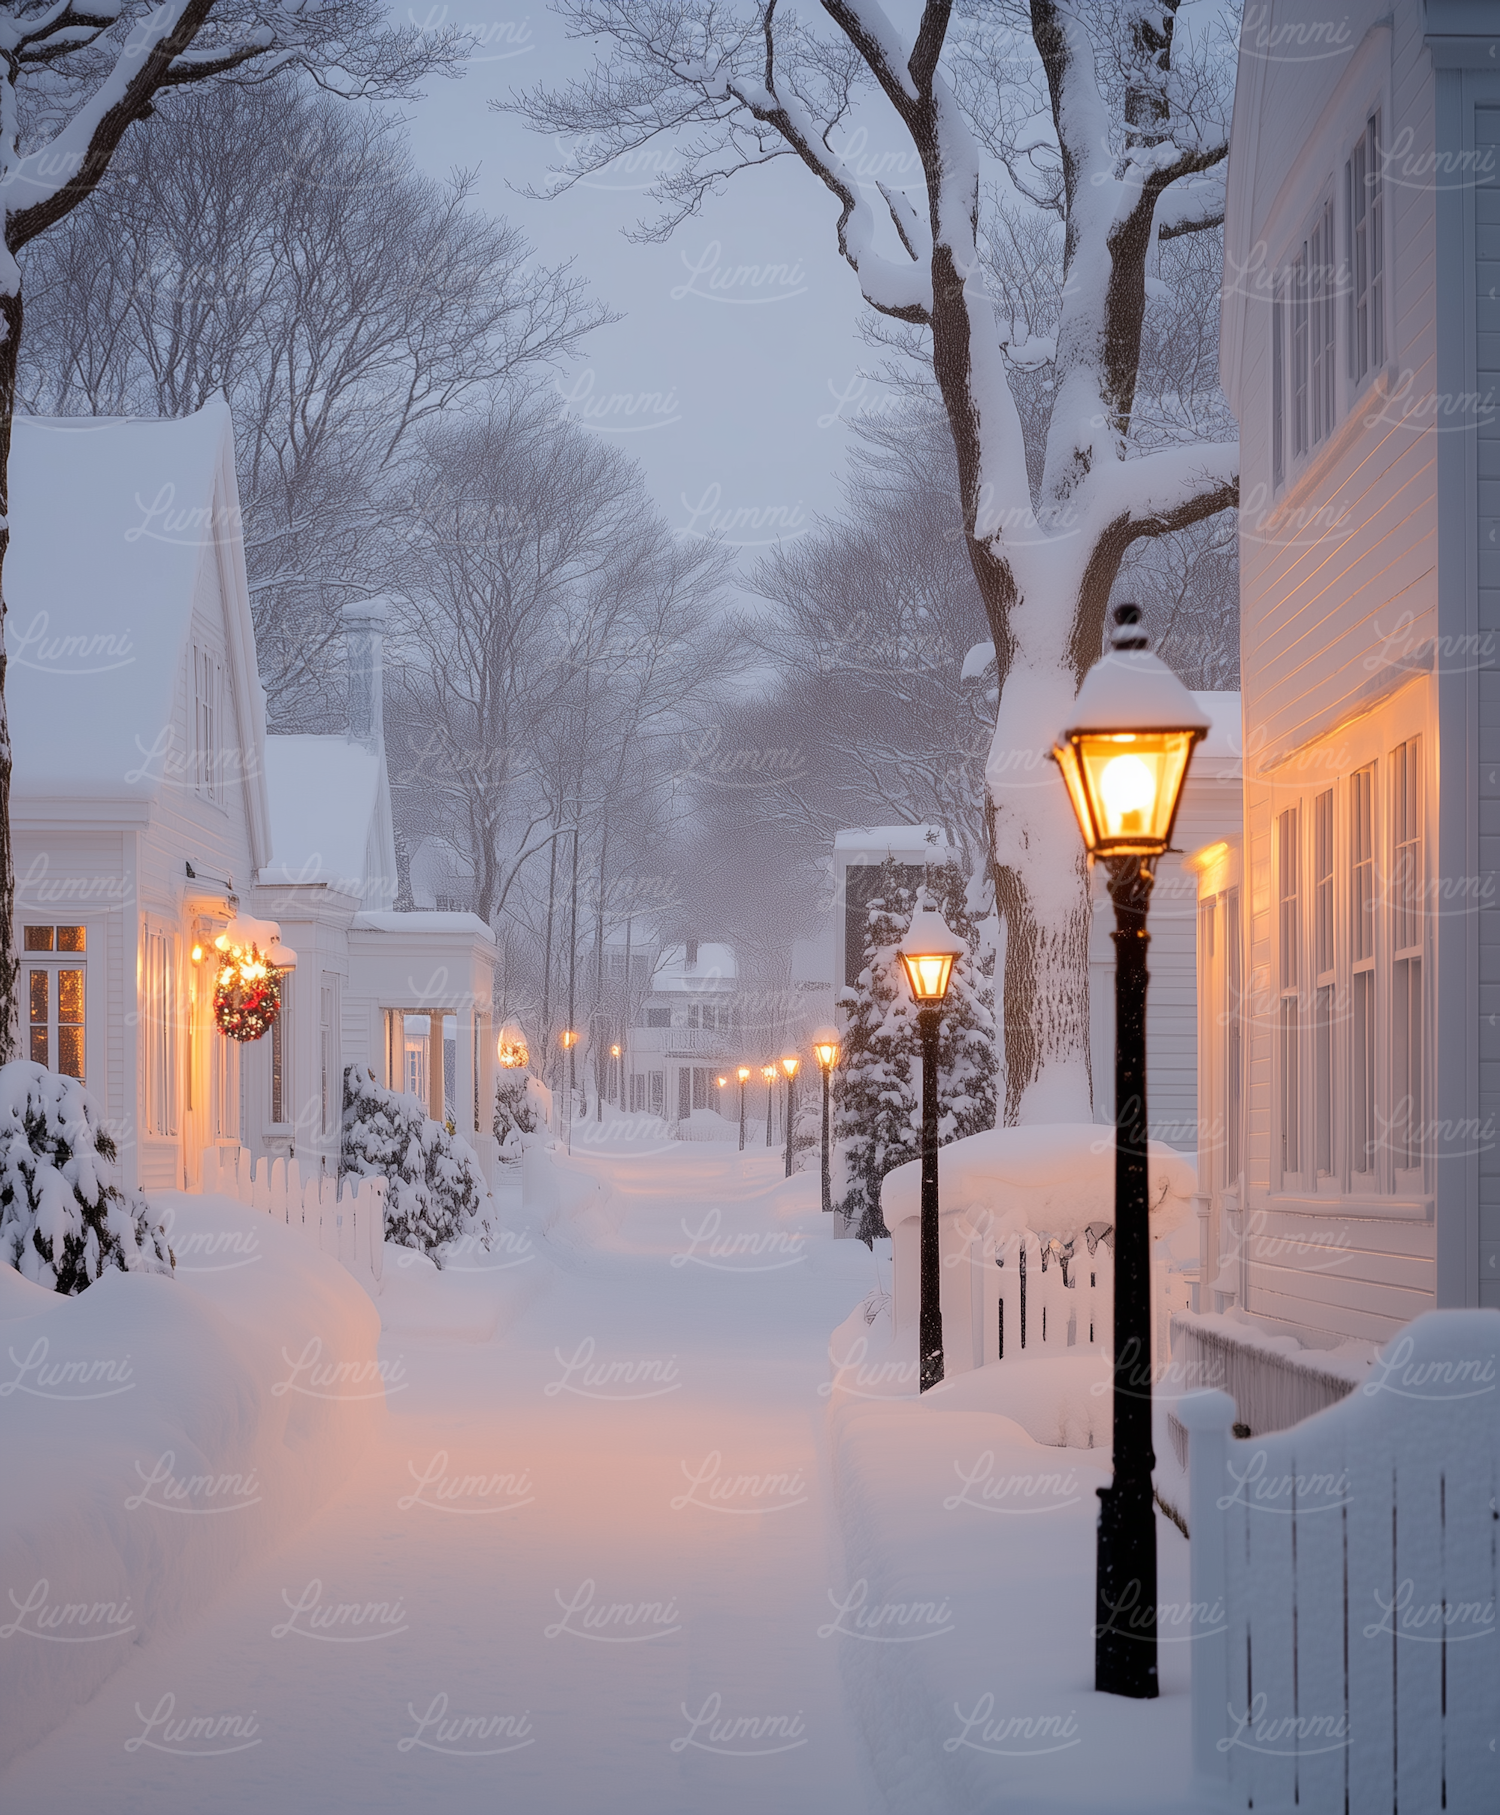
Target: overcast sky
[727, 393]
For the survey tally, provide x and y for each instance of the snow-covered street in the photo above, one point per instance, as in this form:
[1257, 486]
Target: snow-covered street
[595, 1544]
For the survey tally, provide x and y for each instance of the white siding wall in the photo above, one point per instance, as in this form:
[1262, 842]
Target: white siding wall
[1339, 595]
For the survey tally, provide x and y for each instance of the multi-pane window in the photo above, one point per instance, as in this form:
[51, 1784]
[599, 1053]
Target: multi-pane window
[1323, 984]
[280, 1081]
[1314, 290]
[1365, 251]
[161, 1033]
[55, 997]
[1406, 956]
[1233, 1061]
[1278, 385]
[1362, 1024]
[208, 678]
[1289, 1019]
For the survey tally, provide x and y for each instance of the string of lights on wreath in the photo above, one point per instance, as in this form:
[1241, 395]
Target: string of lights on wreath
[247, 990]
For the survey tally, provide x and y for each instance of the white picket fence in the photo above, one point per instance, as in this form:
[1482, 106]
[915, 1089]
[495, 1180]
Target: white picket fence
[1009, 1295]
[344, 1218]
[1344, 1581]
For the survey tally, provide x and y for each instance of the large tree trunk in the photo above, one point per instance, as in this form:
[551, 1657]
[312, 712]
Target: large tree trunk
[10, 963]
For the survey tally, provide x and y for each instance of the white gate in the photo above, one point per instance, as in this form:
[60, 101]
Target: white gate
[1344, 1578]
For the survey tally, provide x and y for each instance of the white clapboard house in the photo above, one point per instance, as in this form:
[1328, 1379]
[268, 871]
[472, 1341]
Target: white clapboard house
[150, 812]
[1349, 945]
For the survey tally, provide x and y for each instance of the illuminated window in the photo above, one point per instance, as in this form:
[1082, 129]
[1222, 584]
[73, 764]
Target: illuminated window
[55, 998]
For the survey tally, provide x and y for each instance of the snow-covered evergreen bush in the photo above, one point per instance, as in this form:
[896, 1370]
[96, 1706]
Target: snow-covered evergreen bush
[877, 1111]
[436, 1191]
[63, 1219]
[515, 1111]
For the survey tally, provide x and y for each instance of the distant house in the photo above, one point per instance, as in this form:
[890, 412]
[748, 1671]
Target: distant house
[150, 812]
[1350, 946]
[692, 1026]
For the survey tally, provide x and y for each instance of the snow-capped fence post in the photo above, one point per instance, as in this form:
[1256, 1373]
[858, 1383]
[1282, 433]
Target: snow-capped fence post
[1357, 1556]
[1209, 1417]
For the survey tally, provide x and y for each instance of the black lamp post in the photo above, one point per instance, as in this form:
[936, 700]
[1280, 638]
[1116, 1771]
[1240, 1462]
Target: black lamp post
[927, 954]
[789, 1065]
[1124, 759]
[826, 1052]
[768, 1072]
[744, 1077]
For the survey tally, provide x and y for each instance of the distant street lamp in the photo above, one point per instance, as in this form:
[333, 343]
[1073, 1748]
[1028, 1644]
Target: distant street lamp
[1124, 758]
[743, 1075]
[927, 954]
[789, 1065]
[619, 1096]
[768, 1072]
[826, 1052]
[569, 1045]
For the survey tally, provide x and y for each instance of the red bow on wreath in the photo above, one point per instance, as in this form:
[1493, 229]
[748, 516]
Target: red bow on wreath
[247, 993]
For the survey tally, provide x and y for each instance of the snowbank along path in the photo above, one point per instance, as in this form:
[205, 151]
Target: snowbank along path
[583, 1568]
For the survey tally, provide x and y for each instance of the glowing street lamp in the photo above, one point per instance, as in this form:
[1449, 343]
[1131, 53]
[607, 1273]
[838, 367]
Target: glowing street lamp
[768, 1072]
[927, 955]
[789, 1065]
[614, 1053]
[1125, 758]
[743, 1074]
[826, 1052]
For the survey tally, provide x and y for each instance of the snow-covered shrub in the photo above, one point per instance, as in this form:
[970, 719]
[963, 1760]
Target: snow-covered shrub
[877, 1114]
[436, 1191]
[63, 1219]
[515, 1109]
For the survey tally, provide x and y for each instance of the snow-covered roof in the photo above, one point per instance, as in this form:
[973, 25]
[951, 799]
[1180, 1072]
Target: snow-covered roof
[899, 841]
[324, 792]
[112, 522]
[424, 920]
[715, 968]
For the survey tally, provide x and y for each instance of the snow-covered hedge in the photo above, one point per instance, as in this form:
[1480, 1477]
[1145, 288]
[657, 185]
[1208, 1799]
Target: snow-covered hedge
[436, 1192]
[63, 1218]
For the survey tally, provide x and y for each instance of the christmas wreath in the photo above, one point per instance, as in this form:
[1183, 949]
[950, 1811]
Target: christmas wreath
[247, 995]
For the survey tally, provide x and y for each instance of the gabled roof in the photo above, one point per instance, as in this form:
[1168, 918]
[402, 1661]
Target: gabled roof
[112, 520]
[330, 817]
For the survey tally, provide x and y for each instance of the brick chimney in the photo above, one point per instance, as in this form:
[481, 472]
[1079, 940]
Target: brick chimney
[364, 653]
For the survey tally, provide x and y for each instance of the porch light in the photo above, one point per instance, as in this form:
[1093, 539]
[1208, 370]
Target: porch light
[1125, 754]
[511, 1049]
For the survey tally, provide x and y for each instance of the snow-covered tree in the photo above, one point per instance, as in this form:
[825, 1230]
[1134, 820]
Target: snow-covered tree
[63, 1218]
[1110, 125]
[877, 1107]
[276, 244]
[515, 1109]
[75, 75]
[436, 1190]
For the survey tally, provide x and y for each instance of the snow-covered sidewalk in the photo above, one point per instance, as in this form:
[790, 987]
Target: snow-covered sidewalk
[585, 1569]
